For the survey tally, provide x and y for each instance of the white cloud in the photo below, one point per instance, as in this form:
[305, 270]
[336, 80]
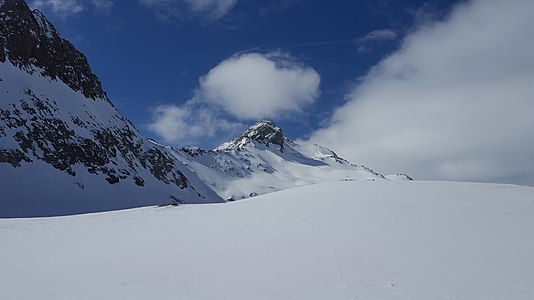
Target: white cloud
[370, 40]
[380, 34]
[61, 8]
[209, 10]
[244, 87]
[254, 86]
[189, 123]
[104, 5]
[456, 101]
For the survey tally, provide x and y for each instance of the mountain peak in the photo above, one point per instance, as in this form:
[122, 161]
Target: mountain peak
[30, 42]
[265, 132]
[264, 127]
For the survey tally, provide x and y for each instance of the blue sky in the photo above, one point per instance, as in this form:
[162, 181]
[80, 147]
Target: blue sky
[433, 88]
[152, 54]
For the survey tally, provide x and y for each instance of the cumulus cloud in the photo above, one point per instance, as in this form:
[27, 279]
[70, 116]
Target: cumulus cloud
[370, 40]
[61, 8]
[188, 123]
[255, 86]
[456, 101]
[244, 87]
[209, 10]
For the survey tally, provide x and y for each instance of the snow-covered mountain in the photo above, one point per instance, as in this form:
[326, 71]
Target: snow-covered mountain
[64, 148]
[262, 160]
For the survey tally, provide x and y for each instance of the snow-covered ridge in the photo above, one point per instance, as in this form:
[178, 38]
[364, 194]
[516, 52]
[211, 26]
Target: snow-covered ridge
[262, 160]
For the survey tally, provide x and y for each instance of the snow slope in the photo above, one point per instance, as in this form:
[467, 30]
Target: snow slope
[336, 240]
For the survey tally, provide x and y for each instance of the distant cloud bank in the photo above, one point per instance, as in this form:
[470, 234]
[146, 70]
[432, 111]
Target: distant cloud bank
[456, 101]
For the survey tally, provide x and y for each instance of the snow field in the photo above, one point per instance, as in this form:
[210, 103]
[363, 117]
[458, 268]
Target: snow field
[336, 240]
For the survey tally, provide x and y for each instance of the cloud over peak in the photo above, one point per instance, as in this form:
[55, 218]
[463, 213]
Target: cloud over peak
[255, 86]
[244, 87]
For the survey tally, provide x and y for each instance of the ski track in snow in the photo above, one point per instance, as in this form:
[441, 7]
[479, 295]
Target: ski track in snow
[337, 240]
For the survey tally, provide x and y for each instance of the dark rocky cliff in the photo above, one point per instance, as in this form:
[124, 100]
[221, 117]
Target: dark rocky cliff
[28, 39]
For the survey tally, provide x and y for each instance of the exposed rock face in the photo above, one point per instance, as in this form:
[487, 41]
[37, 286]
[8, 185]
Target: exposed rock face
[28, 39]
[53, 111]
[399, 177]
[42, 136]
[265, 132]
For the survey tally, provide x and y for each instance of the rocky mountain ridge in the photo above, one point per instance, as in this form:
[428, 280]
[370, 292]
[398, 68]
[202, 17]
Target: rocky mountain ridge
[56, 120]
[32, 43]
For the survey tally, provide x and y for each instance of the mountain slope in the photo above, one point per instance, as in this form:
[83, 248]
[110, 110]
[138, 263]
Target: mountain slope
[261, 160]
[63, 146]
[336, 240]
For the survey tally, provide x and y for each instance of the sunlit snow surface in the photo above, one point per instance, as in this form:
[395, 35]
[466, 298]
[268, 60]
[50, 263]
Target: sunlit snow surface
[336, 240]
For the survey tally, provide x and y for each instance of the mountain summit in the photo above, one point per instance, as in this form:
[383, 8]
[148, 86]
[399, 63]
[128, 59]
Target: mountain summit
[64, 149]
[265, 132]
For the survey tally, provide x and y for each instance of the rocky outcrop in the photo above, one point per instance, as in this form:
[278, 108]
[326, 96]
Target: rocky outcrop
[264, 132]
[29, 40]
